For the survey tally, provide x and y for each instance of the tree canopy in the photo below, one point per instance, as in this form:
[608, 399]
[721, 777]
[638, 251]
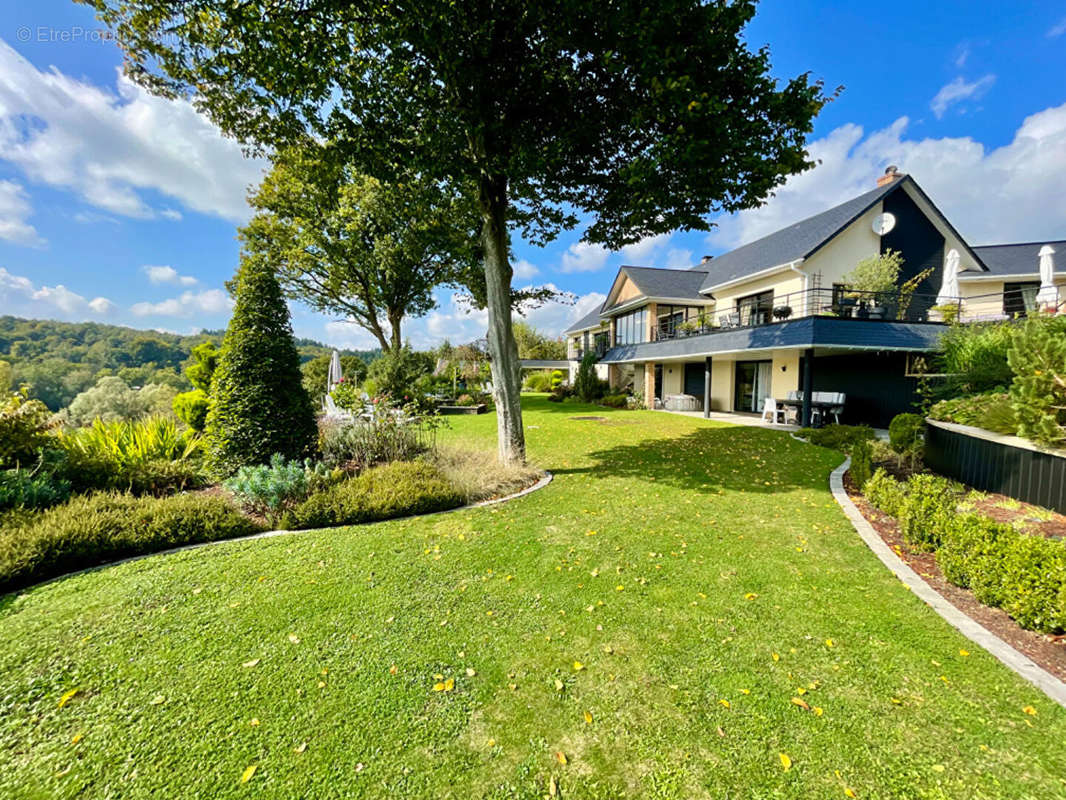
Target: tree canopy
[636, 118]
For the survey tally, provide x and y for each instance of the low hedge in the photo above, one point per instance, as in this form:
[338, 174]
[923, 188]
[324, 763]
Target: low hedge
[837, 437]
[393, 490]
[1025, 575]
[94, 529]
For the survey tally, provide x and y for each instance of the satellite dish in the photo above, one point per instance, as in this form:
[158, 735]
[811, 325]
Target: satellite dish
[883, 223]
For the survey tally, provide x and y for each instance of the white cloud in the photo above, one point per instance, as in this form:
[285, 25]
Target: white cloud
[584, 257]
[676, 258]
[165, 274]
[1057, 29]
[15, 209]
[209, 301]
[1010, 193]
[958, 90]
[20, 296]
[962, 54]
[171, 214]
[111, 147]
[641, 254]
[524, 270]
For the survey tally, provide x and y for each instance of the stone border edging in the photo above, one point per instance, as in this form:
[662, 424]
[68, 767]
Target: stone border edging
[972, 630]
[544, 481]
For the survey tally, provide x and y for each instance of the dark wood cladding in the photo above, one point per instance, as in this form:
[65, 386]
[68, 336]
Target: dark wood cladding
[1028, 475]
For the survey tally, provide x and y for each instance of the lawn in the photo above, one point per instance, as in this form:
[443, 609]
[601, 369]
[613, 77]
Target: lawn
[684, 612]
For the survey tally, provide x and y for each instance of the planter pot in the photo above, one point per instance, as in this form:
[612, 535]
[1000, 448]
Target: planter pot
[478, 409]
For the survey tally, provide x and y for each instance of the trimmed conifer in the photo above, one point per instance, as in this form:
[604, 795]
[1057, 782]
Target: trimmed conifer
[259, 405]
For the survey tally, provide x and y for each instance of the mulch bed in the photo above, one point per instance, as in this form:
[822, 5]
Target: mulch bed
[1046, 650]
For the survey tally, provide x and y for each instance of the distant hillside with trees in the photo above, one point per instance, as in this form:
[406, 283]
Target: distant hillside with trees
[59, 360]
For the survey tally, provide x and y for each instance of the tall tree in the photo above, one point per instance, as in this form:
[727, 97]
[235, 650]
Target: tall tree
[534, 344]
[259, 406]
[640, 117]
[348, 244]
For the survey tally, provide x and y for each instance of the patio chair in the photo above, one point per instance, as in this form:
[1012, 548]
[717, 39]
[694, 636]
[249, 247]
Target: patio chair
[770, 408]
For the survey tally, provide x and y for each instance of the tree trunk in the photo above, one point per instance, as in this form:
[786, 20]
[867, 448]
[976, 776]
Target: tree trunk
[506, 382]
[394, 324]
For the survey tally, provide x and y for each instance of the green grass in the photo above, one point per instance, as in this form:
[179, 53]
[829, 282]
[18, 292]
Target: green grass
[671, 557]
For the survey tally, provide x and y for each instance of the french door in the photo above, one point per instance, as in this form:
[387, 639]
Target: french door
[752, 385]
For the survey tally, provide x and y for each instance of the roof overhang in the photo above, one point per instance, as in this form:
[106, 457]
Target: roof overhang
[643, 300]
[787, 266]
[996, 278]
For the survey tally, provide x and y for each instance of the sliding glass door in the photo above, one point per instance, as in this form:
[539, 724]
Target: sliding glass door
[751, 385]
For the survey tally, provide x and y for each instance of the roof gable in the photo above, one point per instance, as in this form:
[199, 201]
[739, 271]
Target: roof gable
[675, 284]
[590, 320]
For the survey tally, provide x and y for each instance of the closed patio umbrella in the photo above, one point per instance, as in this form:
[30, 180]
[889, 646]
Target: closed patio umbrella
[1049, 293]
[949, 285]
[334, 375]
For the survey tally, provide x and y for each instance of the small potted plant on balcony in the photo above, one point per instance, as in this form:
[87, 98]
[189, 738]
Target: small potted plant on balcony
[872, 283]
[782, 312]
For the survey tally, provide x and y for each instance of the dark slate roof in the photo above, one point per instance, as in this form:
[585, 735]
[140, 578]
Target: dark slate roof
[798, 240]
[590, 320]
[1018, 259]
[655, 282]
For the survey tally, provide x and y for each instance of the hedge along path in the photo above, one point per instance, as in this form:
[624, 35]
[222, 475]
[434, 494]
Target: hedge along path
[544, 481]
[972, 630]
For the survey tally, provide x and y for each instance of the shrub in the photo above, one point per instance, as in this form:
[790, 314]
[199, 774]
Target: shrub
[992, 411]
[191, 408]
[929, 504]
[861, 464]
[25, 429]
[478, 474]
[22, 488]
[1032, 579]
[971, 549]
[394, 490]
[538, 382]
[556, 378]
[587, 386]
[113, 399]
[885, 492]
[271, 489]
[259, 406]
[148, 457]
[382, 433]
[974, 356]
[905, 433]
[1037, 356]
[615, 401]
[94, 529]
[400, 374]
[837, 437]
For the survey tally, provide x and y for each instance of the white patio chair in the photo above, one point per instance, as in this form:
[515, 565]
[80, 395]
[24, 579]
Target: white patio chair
[770, 408]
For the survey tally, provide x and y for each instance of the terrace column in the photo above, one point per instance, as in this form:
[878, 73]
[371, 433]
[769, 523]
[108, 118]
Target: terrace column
[707, 387]
[808, 384]
[649, 385]
[652, 323]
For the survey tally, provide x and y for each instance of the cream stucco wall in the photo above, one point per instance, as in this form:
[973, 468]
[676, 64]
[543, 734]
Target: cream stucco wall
[782, 283]
[787, 380]
[721, 385]
[984, 299]
[842, 253]
[627, 291]
[673, 376]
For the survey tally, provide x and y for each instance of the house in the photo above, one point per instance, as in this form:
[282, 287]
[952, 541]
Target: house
[775, 315]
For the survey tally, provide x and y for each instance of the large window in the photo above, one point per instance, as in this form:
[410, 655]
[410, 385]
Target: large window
[671, 318]
[1020, 298]
[631, 328]
[755, 309]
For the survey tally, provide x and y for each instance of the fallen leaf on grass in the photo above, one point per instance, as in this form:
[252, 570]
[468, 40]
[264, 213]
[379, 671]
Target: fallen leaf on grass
[964, 653]
[558, 685]
[393, 670]
[817, 711]
[775, 656]
[578, 666]
[724, 703]
[721, 732]
[253, 663]
[848, 792]
[67, 697]
[560, 756]
[553, 787]
[588, 717]
[786, 762]
[796, 701]
[300, 747]
[158, 700]
[750, 596]
[294, 638]
[470, 672]
[828, 642]
[1030, 711]
[77, 738]
[249, 771]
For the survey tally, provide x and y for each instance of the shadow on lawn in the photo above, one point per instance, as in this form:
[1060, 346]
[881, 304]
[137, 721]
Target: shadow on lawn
[709, 459]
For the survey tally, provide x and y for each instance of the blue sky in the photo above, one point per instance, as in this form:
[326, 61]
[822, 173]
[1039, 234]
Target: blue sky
[119, 207]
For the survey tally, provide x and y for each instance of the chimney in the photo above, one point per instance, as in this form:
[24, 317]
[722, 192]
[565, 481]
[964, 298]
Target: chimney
[705, 260]
[891, 174]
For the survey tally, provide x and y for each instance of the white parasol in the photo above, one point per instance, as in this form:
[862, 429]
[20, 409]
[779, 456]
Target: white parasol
[949, 286]
[1049, 293]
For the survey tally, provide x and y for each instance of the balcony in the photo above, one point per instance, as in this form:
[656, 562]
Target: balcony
[843, 303]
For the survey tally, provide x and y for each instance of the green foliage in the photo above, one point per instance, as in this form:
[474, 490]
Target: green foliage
[200, 372]
[393, 490]
[151, 456]
[885, 492]
[258, 405]
[930, 503]
[112, 399]
[837, 437]
[1032, 577]
[861, 464]
[906, 435]
[587, 386]
[615, 400]
[384, 432]
[316, 373]
[25, 429]
[974, 357]
[271, 489]
[969, 556]
[5, 378]
[1037, 356]
[556, 378]
[31, 489]
[534, 344]
[349, 245]
[191, 408]
[401, 374]
[538, 382]
[992, 411]
[878, 273]
[95, 529]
